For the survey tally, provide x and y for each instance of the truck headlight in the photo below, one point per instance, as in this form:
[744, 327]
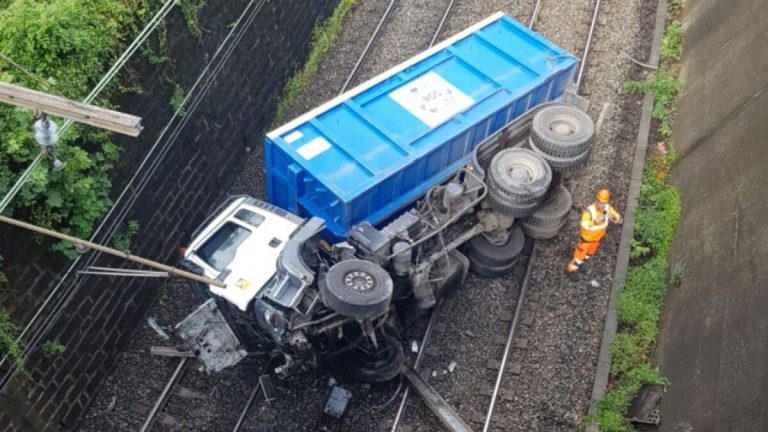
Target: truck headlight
[275, 320]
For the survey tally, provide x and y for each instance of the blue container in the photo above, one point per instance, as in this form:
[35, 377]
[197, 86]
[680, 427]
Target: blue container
[375, 149]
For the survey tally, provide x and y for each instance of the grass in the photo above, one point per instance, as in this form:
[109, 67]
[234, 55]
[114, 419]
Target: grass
[324, 36]
[656, 218]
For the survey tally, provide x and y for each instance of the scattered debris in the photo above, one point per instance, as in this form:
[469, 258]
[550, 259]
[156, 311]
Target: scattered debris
[452, 366]
[156, 327]
[594, 283]
[338, 402]
[468, 333]
[414, 347]
[265, 382]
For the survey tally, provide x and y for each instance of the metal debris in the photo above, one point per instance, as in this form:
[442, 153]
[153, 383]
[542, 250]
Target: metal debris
[338, 401]
[156, 327]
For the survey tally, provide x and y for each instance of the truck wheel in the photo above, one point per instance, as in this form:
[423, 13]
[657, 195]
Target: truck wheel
[562, 131]
[520, 175]
[382, 366]
[504, 206]
[554, 211]
[562, 164]
[543, 232]
[485, 252]
[488, 271]
[357, 289]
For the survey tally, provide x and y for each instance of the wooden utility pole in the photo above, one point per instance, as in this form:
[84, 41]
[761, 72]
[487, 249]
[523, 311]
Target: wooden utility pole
[82, 113]
[125, 255]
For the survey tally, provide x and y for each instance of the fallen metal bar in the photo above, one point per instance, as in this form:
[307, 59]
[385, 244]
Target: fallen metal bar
[416, 365]
[436, 403]
[164, 396]
[163, 351]
[247, 407]
[510, 337]
[107, 250]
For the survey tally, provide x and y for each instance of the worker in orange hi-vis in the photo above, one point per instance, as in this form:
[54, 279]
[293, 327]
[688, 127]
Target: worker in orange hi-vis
[594, 224]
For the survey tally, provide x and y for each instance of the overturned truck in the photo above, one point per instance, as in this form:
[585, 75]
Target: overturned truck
[380, 202]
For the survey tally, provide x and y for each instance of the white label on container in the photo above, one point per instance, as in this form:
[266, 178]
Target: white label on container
[432, 99]
[313, 148]
[293, 136]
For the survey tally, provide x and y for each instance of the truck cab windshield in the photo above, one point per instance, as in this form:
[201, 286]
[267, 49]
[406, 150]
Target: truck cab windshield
[219, 250]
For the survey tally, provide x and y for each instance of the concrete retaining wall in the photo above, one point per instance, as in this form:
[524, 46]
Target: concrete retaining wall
[713, 345]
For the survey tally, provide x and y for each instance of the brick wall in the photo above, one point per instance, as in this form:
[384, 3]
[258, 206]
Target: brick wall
[102, 312]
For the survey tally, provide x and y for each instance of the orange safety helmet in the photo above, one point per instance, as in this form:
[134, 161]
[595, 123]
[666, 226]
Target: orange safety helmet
[603, 195]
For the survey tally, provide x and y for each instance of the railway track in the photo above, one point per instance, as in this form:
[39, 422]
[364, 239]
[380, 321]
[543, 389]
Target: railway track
[520, 300]
[378, 31]
[499, 388]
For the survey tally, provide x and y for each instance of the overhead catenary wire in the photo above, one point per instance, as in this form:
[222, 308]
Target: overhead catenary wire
[210, 72]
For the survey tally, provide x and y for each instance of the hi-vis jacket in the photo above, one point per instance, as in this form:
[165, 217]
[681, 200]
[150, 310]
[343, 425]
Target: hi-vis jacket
[595, 222]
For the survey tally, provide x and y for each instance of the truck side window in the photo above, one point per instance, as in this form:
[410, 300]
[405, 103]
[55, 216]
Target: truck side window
[219, 250]
[249, 217]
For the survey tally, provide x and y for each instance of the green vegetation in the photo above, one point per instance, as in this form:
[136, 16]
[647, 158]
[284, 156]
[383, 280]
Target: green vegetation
[672, 43]
[664, 84]
[124, 236]
[177, 100]
[323, 38]
[657, 215]
[8, 344]
[53, 349]
[191, 11]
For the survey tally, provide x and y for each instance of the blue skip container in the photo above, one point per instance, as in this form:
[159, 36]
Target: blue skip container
[375, 149]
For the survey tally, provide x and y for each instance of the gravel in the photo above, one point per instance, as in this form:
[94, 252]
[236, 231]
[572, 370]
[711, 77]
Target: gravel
[557, 368]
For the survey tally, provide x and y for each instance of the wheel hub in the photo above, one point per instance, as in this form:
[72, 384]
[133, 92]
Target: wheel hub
[563, 127]
[519, 174]
[358, 281]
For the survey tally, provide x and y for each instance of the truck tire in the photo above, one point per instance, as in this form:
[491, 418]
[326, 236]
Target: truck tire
[357, 289]
[504, 206]
[543, 232]
[562, 131]
[485, 252]
[488, 271]
[554, 210]
[562, 164]
[519, 175]
[380, 367]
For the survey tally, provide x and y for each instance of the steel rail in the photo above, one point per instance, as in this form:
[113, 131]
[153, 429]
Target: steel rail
[368, 46]
[536, 10]
[510, 337]
[440, 26]
[588, 45]
[164, 396]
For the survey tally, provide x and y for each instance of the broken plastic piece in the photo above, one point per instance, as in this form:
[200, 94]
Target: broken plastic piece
[452, 366]
[156, 327]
